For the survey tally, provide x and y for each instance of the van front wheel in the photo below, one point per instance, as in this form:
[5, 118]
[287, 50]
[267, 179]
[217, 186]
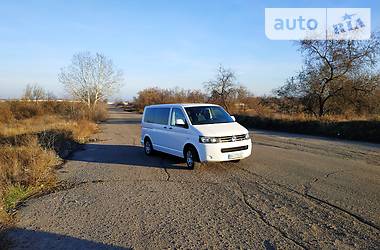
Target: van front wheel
[191, 157]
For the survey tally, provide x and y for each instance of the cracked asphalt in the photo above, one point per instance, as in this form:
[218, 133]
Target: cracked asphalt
[294, 192]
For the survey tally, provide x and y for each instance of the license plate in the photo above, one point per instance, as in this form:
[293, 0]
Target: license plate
[235, 155]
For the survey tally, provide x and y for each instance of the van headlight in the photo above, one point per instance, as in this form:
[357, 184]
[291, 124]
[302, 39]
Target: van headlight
[207, 139]
[247, 136]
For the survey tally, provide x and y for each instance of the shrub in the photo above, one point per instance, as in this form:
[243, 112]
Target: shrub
[26, 110]
[26, 165]
[83, 129]
[22, 110]
[363, 130]
[100, 112]
[155, 95]
[6, 115]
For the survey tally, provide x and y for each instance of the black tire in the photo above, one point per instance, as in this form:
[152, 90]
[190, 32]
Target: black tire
[148, 147]
[191, 157]
[235, 161]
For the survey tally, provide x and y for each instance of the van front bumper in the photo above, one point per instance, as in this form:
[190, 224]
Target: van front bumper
[227, 151]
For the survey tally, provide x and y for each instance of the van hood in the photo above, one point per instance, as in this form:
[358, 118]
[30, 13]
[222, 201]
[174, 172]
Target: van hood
[221, 129]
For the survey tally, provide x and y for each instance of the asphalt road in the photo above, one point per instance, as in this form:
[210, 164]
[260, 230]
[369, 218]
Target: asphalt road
[293, 192]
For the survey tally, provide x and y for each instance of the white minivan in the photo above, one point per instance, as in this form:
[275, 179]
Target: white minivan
[196, 132]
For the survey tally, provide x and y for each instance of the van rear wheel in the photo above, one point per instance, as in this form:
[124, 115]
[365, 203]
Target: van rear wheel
[148, 148]
[191, 157]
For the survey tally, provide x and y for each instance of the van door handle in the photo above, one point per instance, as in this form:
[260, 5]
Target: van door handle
[170, 128]
[165, 127]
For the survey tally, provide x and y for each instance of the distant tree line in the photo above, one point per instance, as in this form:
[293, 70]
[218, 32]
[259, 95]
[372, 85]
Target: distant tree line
[222, 90]
[337, 77]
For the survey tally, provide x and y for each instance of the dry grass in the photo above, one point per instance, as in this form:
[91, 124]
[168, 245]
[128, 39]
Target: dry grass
[26, 169]
[80, 128]
[100, 113]
[26, 166]
[354, 128]
[32, 137]
[349, 125]
[265, 112]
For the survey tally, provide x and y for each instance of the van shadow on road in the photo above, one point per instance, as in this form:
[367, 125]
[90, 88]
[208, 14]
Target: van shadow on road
[122, 121]
[47, 240]
[129, 155]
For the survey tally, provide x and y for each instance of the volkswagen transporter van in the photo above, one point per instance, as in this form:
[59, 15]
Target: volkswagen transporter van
[196, 132]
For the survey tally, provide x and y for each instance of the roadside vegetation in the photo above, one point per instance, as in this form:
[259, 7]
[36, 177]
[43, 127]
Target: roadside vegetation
[38, 132]
[35, 136]
[281, 114]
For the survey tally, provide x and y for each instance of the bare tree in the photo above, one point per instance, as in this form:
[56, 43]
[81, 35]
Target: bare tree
[243, 98]
[50, 96]
[329, 66]
[91, 78]
[28, 93]
[223, 89]
[34, 92]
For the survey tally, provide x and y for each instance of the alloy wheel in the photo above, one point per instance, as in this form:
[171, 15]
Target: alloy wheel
[148, 147]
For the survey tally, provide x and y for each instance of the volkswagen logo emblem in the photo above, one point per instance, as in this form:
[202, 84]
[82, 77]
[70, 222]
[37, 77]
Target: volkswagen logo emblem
[233, 138]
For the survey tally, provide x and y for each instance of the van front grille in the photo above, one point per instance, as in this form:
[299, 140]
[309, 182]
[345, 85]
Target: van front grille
[232, 138]
[228, 150]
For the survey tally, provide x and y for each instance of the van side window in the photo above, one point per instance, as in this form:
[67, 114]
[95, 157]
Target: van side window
[148, 115]
[176, 114]
[157, 115]
[161, 115]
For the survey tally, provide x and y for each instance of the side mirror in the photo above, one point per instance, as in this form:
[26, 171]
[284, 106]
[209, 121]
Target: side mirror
[181, 123]
[233, 118]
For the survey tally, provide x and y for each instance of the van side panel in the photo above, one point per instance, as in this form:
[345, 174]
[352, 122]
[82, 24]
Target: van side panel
[177, 136]
[155, 125]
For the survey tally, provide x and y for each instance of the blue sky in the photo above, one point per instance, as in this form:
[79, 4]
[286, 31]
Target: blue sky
[155, 43]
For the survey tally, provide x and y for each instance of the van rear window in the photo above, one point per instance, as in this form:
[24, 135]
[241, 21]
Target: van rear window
[157, 115]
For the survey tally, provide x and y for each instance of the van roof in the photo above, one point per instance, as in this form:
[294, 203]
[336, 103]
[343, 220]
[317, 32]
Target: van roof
[181, 105]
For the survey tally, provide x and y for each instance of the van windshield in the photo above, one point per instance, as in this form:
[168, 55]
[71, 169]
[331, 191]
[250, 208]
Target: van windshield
[207, 115]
